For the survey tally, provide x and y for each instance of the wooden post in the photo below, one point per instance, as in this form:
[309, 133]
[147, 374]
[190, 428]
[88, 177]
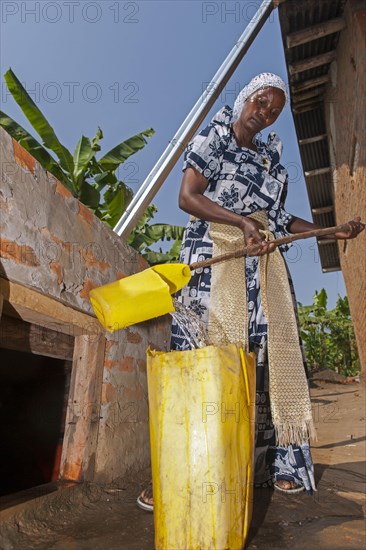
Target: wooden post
[83, 412]
[82, 419]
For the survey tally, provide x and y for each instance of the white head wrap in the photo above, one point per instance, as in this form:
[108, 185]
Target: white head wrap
[259, 82]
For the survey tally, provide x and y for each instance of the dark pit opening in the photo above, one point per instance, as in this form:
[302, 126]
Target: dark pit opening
[34, 388]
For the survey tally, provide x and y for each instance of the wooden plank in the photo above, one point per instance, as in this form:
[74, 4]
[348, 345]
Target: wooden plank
[313, 139]
[322, 210]
[83, 413]
[34, 307]
[314, 32]
[318, 100]
[312, 62]
[308, 106]
[18, 335]
[326, 241]
[318, 172]
[311, 83]
[304, 96]
[20, 312]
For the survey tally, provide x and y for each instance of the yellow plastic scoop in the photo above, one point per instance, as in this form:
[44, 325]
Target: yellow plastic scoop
[147, 294]
[139, 297]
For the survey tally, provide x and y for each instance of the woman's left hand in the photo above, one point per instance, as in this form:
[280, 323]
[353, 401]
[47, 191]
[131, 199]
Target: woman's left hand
[355, 227]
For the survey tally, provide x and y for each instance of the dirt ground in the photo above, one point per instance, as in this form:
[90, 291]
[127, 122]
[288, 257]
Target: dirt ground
[95, 518]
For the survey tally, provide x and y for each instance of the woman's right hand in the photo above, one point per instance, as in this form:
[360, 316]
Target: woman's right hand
[254, 239]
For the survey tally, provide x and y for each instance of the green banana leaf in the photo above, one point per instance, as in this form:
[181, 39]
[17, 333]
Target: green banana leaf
[154, 258]
[122, 151]
[174, 251]
[154, 233]
[31, 145]
[145, 218]
[82, 156]
[164, 231]
[342, 307]
[89, 195]
[321, 299]
[38, 121]
[95, 141]
[105, 178]
[116, 201]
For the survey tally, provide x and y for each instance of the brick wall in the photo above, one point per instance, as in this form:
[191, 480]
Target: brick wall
[54, 244]
[345, 114]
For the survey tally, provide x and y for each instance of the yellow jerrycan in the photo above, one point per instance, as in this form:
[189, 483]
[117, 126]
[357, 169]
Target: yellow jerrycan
[201, 414]
[138, 297]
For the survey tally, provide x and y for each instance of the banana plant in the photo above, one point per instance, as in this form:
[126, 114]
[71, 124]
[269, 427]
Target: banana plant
[328, 335]
[145, 234]
[93, 181]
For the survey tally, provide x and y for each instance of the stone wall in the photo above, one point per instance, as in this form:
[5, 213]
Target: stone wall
[54, 244]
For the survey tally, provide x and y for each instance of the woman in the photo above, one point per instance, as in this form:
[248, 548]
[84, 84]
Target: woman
[233, 186]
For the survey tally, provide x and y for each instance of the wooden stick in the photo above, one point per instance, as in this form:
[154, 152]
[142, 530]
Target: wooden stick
[282, 240]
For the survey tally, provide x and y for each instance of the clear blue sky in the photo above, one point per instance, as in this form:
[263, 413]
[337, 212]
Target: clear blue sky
[129, 65]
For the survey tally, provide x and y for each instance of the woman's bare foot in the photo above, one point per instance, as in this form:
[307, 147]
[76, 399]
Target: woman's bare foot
[145, 500]
[288, 486]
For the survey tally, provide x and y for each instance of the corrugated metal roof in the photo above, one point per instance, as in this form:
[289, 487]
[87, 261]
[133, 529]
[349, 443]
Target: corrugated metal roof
[307, 104]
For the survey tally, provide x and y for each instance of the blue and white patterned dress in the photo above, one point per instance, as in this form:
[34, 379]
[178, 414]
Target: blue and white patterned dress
[242, 181]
